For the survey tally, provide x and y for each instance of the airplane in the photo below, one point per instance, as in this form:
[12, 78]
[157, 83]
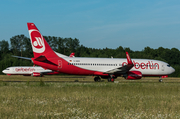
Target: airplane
[106, 68]
[35, 71]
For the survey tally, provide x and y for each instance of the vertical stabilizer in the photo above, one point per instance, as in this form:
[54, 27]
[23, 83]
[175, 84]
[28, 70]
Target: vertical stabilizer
[40, 46]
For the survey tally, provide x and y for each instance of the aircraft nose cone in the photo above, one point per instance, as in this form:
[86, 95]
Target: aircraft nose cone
[173, 70]
[3, 71]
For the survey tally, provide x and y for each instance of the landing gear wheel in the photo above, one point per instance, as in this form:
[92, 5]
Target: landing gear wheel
[109, 79]
[160, 80]
[97, 79]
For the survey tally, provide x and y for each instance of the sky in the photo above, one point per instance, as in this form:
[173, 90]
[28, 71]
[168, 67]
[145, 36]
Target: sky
[97, 23]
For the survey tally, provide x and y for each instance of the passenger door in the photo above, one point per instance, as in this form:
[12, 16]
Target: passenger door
[59, 64]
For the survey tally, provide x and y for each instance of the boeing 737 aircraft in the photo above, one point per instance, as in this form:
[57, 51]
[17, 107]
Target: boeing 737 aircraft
[29, 71]
[108, 68]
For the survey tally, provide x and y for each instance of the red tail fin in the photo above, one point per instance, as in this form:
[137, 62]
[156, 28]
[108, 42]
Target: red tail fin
[72, 54]
[39, 44]
[128, 58]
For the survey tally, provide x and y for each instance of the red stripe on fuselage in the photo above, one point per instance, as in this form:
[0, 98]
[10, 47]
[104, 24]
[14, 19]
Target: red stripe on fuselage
[65, 68]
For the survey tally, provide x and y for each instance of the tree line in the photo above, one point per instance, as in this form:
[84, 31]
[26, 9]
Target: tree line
[20, 46]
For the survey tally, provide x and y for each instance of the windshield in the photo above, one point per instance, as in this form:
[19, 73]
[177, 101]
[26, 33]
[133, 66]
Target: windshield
[168, 65]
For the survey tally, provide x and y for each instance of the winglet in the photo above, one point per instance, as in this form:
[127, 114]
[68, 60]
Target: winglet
[128, 58]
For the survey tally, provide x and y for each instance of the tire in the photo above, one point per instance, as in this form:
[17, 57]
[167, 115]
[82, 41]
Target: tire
[95, 79]
[160, 80]
[109, 79]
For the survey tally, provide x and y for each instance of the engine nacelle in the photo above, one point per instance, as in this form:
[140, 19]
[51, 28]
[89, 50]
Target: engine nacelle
[53, 73]
[36, 74]
[133, 75]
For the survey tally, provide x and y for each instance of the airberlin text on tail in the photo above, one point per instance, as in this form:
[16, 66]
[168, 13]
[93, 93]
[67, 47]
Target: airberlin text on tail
[39, 44]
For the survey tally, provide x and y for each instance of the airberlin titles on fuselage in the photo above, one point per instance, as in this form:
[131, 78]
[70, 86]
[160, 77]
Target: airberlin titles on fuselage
[142, 65]
[24, 69]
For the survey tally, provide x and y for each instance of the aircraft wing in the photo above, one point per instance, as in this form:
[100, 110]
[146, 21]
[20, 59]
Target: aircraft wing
[124, 69]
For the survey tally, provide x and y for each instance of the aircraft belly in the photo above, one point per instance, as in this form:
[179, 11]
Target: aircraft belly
[21, 73]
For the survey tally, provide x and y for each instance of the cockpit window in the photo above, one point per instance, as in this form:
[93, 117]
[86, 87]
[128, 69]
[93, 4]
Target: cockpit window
[7, 69]
[168, 65]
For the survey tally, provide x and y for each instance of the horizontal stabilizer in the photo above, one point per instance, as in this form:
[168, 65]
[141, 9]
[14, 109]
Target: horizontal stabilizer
[22, 57]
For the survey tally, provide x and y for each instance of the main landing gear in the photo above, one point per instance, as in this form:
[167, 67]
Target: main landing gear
[160, 80]
[110, 79]
[97, 79]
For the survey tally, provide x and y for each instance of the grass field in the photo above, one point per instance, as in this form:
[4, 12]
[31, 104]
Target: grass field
[145, 98]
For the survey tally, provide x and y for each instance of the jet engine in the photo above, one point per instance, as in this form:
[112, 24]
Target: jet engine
[36, 74]
[133, 75]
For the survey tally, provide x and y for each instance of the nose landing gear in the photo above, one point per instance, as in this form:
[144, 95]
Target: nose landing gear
[160, 80]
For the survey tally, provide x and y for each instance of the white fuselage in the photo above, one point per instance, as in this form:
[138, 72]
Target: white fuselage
[147, 67]
[24, 70]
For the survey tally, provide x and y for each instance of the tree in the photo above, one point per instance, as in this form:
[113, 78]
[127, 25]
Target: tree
[4, 46]
[71, 44]
[17, 44]
[27, 51]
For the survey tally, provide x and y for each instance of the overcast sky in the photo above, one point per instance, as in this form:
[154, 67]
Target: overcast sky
[97, 23]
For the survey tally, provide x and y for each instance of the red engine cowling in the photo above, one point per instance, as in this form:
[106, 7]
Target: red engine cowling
[36, 74]
[52, 73]
[133, 75]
